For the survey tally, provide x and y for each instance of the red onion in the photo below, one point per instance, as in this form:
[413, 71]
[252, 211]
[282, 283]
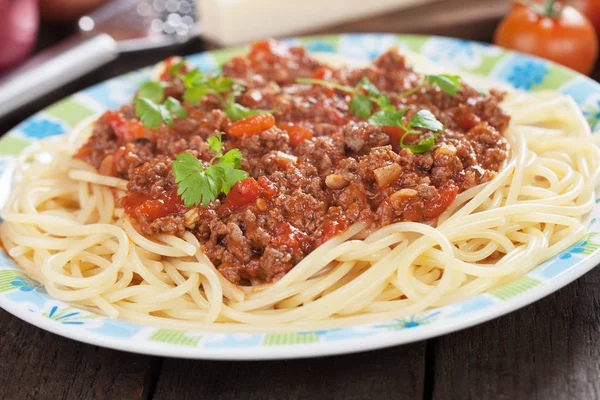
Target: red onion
[19, 21]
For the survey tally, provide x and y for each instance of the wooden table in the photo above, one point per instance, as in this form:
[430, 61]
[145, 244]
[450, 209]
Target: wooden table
[549, 350]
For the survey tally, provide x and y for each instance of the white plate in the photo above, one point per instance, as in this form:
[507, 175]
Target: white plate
[27, 300]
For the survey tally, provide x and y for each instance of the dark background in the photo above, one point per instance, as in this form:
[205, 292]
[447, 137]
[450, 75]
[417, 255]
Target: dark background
[548, 350]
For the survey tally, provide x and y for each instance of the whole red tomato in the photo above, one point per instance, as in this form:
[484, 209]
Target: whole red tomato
[553, 31]
[591, 9]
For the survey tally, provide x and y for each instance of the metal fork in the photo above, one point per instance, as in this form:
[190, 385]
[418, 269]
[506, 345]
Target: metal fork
[119, 27]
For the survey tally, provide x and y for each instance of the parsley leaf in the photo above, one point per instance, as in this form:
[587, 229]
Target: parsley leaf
[232, 175]
[175, 70]
[148, 112]
[237, 111]
[449, 84]
[199, 86]
[193, 185]
[192, 78]
[388, 118]
[422, 146]
[165, 115]
[426, 120]
[197, 184]
[383, 101]
[152, 90]
[174, 107]
[233, 157]
[184, 166]
[152, 114]
[361, 106]
[220, 84]
[195, 94]
[423, 119]
[367, 85]
[328, 84]
[214, 143]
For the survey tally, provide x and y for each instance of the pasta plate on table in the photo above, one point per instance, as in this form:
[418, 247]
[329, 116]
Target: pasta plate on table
[291, 192]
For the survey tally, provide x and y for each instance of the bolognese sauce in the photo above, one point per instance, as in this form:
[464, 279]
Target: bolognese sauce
[313, 167]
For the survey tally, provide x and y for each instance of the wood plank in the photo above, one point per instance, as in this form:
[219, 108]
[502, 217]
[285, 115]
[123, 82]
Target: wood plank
[548, 350]
[396, 372]
[36, 364]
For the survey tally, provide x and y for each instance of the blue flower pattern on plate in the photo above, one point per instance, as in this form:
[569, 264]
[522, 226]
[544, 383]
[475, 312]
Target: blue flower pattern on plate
[365, 47]
[577, 248]
[592, 114]
[563, 261]
[115, 92]
[320, 46]
[25, 284]
[467, 306]
[528, 74]
[33, 299]
[119, 329]
[221, 340]
[67, 317]
[204, 62]
[411, 322]
[38, 128]
[458, 53]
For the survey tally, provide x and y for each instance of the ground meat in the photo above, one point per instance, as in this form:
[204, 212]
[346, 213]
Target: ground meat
[101, 144]
[272, 61]
[361, 137]
[378, 157]
[446, 165]
[173, 224]
[274, 263]
[353, 200]
[322, 151]
[130, 156]
[238, 244]
[305, 211]
[306, 191]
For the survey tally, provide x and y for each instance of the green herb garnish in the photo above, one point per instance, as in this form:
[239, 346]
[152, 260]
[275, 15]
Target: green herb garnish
[152, 113]
[198, 184]
[423, 119]
[237, 111]
[152, 91]
[175, 107]
[365, 93]
[449, 84]
[175, 70]
[198, 85]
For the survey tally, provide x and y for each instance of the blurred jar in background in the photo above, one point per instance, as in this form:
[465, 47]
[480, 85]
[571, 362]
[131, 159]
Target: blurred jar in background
[18, 30]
